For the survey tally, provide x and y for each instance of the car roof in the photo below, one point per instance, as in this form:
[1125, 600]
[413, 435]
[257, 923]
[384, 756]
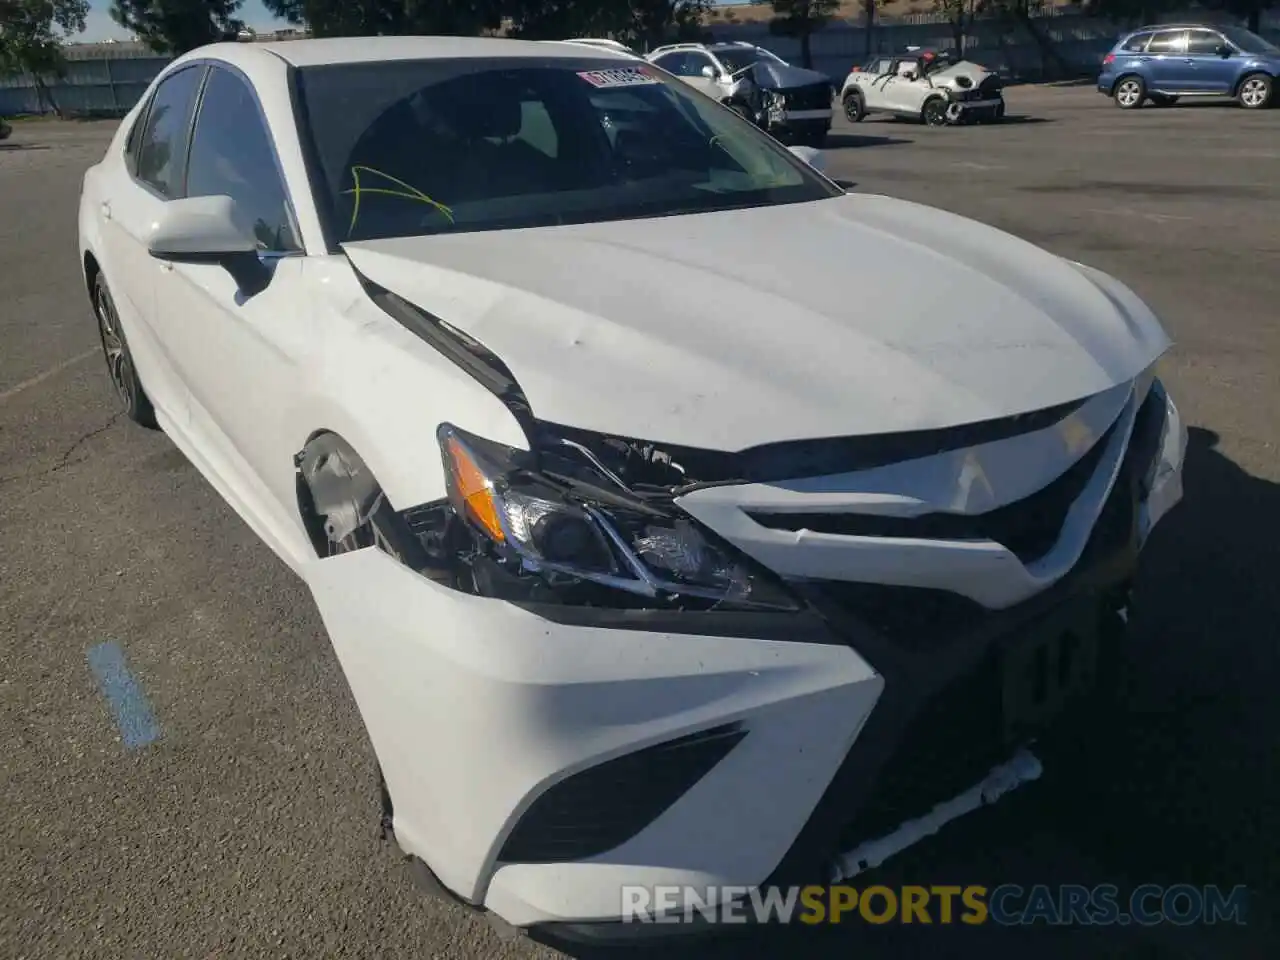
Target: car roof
[1174, 26]
[335, 50]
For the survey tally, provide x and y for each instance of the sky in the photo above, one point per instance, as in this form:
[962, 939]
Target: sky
[100, 26]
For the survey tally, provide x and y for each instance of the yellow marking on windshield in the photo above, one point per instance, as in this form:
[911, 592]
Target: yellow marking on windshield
[408, 192]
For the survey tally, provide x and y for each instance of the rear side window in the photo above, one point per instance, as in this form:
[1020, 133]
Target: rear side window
[232, 155]
[1136, 43]
[1204, 41]
[162, 152]
[1168, 41]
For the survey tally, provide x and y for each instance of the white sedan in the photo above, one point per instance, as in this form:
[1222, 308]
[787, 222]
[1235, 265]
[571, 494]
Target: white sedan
[650, 553]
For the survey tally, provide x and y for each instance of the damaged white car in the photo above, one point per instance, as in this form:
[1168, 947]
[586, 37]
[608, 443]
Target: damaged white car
[650, 555]
[923, 85]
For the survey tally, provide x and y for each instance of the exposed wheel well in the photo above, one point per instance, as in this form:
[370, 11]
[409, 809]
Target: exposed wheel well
[313, 519]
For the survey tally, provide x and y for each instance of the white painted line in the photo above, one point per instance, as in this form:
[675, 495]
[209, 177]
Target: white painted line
[42, 377]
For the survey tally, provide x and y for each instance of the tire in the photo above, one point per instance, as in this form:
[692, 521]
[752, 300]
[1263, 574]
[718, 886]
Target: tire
[134, 402]
[855, 107]
[1163, 100]
[934, 112]
[1129, 92]
[1254, 92]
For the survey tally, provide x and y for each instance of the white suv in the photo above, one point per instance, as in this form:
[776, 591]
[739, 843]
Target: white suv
[790, 102]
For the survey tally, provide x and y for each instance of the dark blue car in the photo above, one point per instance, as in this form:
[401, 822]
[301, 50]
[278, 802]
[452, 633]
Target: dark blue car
[1171, 60]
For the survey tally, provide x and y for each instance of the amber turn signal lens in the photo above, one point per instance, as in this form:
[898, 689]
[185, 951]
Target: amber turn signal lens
[473, 488]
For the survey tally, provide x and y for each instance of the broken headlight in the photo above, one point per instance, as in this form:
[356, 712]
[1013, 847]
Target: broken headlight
[564, 533]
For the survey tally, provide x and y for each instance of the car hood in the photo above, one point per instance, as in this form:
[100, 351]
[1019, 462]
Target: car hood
[846, 316]
[771, 75]
[975, 72]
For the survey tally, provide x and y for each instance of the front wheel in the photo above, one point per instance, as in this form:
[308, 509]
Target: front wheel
[120, 366]
[855, 108]
[1255, 91]
[1129, 93]
[934, 113]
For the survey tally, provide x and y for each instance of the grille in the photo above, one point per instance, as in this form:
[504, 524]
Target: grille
[913, 617]
[1028, 527]
[815, 97]
[948, 748]
[604, 806]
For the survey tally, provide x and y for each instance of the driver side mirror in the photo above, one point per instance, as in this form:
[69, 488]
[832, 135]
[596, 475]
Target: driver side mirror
[709, 72]
[1224, 50]
[206, 230]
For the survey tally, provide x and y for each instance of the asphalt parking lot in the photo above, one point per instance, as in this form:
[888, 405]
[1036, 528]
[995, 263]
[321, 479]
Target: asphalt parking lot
[249, 826]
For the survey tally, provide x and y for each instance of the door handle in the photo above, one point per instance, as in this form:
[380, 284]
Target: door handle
[106, 210]
[1145, 59]
[1190, 60]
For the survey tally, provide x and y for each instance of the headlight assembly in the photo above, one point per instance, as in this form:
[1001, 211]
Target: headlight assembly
[531, 524]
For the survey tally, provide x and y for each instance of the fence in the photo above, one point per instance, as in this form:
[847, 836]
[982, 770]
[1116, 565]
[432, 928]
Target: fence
[107, 85]
[109, 78]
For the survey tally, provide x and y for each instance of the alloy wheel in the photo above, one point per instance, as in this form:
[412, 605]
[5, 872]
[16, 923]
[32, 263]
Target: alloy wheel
[119, 365]
[1254, 92]
[1129, 93]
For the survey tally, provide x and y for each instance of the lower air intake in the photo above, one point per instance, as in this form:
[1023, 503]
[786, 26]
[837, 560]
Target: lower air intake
[604, 806]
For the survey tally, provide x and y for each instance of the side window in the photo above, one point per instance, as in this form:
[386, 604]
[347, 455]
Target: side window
[695, 64]
[1204, 42]
[134, 140]
[1137, 43]
[881, 66]
[231, 155]
[1168, 41]
[163, 147]
[673, 63]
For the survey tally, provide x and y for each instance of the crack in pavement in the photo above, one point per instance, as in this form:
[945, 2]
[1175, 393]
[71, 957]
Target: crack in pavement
[64, 459]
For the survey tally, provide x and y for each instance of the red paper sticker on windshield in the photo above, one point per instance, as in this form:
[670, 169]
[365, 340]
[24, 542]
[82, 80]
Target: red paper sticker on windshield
[619, 77]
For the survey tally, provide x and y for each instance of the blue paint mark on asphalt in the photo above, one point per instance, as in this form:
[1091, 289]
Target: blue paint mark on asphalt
[129, 705]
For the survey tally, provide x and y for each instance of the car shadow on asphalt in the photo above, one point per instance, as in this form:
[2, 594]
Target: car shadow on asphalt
[838, 141]
[22, 146]
[1177, 782]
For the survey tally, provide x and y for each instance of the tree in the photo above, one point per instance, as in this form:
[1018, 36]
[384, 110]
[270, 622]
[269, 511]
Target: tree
[869, 8]
[176, 26]
[1022, 13]
[960, 15]
[29, 44]
[801, 19]
[1248, 10]
[1131, 12]
[653, 22]
[561, 19]
[368, 18]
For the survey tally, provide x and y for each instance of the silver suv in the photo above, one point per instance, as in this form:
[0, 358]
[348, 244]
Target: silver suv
[790, 102]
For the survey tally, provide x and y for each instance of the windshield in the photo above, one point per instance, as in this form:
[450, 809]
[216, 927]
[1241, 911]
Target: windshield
[1248, 42]
[407, 148]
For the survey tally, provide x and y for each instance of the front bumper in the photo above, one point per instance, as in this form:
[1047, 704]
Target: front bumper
[480, 710]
